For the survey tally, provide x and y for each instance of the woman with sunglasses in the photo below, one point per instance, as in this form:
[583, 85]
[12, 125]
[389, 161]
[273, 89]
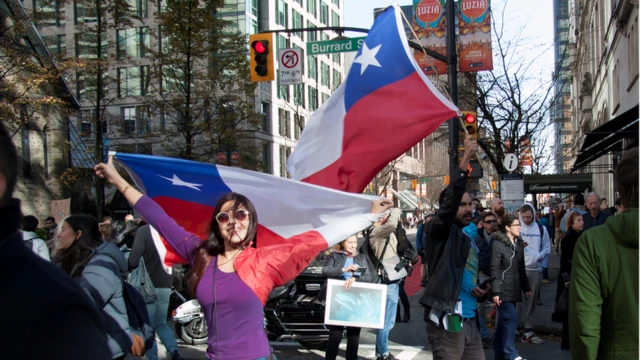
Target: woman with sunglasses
[510, 281]
[231, 279]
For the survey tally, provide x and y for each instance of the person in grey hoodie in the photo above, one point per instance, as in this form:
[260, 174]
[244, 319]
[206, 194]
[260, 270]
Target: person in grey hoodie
[536, 251]
[31, 239]
[97, 266]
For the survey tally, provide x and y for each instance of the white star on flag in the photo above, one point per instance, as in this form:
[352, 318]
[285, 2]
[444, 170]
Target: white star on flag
[368, 57]
[177, 182]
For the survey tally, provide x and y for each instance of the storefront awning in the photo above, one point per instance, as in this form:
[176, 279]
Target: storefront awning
[607, 137]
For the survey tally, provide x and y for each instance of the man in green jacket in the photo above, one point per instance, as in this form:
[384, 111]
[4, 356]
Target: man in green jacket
[603, 293]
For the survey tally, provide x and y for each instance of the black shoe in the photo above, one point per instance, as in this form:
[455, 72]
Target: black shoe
[406, 317]
[176, 356]
[386, 357]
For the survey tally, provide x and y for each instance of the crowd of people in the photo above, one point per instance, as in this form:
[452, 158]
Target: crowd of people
[471, 257]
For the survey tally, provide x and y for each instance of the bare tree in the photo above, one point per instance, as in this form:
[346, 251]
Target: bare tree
[512, 103]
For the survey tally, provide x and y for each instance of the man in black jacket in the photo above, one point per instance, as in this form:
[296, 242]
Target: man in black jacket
[47, 316]
[452, 258]
[144, 248]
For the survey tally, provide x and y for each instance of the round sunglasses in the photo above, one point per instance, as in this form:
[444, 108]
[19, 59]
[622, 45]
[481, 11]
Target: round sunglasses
[223, 217]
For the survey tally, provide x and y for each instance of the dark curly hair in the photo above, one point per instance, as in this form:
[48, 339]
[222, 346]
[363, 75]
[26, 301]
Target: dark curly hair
[214, 245]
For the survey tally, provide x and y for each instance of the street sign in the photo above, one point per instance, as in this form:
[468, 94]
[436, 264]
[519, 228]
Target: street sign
[510, 162]
[334, 46]
[423, 180]
[290, 66]
[512, 187]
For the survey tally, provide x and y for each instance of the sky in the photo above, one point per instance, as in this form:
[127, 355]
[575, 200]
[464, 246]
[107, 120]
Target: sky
[528, 22]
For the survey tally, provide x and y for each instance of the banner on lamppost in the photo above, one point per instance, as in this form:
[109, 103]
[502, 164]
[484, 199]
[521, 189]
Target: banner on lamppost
[474, 40]
[221, 158]
[430, 25]
[236, 159]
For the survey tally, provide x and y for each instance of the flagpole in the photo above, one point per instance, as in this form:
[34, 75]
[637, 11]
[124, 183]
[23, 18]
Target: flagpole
[452, 66]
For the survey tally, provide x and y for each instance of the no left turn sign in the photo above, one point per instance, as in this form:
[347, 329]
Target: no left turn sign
[289, 59]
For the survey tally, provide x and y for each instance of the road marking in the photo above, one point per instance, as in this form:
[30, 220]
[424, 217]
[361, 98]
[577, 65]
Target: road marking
[401, 352]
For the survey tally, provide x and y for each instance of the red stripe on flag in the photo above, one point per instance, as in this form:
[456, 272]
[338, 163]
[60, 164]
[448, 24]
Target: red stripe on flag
[379, 128]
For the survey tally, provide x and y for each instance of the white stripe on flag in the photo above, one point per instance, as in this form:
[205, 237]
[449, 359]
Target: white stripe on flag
[162, 251]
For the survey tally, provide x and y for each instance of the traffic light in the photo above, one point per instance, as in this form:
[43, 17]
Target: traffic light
[470, 121]
[261, 57]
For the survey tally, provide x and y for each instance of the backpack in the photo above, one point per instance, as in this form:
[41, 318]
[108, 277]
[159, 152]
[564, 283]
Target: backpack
[141, 281]
[138, 318]
[405, 248]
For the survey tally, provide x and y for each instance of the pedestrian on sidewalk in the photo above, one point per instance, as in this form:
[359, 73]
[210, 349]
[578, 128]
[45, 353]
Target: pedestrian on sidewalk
[420, 248]
[594, 217]
[537, 247]
[603, 316]
[344, 263]
[144, 249]
[510, 281]
[452, 292]
[576, 224]
[484, 241]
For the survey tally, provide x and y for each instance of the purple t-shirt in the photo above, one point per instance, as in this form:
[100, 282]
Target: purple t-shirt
[236, 327]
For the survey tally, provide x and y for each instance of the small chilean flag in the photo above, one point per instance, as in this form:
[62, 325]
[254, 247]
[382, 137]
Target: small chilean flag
[385, 106]
[188, 191]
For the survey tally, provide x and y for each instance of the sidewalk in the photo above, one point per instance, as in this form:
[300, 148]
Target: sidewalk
[542, 315]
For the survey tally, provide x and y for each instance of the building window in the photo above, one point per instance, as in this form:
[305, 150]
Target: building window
[171, 79]
[337, 59]
[312, 68]
[312, 7]
[283, 161]
[616, 87]
[336, 3]
[297, 23]
[26, 151]
[325, 97]
[324, 13]
[335, 19]
[265, 110]
[311, 35]
[133, 81]
[254, 27]
[56, 44]
[254, 8]
[139, 7]
[298, 95]
[87, 46]
[324, 74]
[49, 12]
[85, 13]
[324, 36]
[313, 98]
[298, 126]
[283, 90]
[632, 48]
[132, 42]
[337, 79]
[135, 120]
[266, 157]
[86, 86]
[281, 13]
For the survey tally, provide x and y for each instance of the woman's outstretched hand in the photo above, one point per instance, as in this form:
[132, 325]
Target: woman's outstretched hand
[381, 205]
[107, 171]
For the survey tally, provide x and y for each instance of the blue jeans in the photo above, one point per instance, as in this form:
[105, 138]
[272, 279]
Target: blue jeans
[158, 316]
[391, 308]
[484, 331]
[504, 339]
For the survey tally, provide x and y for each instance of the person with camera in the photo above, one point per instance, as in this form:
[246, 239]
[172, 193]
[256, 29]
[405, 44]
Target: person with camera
[452, 292]
[381, 246]
[345, 263]
[509, 282]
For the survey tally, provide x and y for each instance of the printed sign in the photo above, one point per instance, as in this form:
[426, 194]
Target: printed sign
[474, 40]
[290, 69]
[512, 187]
[430, 25]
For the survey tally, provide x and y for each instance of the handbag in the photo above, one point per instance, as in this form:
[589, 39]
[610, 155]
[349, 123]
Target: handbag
[562, 306]
[139, 278]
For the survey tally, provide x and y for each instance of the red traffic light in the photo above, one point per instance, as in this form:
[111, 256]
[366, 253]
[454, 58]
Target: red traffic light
[259, 47]
[469, 118]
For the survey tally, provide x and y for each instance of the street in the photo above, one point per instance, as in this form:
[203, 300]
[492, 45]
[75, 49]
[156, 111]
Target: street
[408, 340]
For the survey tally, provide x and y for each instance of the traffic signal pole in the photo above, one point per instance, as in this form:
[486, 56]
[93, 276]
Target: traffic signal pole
[452, 65]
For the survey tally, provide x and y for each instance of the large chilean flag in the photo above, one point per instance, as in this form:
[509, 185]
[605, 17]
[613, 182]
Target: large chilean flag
[188, 191]
[384, 107]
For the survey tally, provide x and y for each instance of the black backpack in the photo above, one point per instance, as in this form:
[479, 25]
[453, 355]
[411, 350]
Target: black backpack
[138, 314]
